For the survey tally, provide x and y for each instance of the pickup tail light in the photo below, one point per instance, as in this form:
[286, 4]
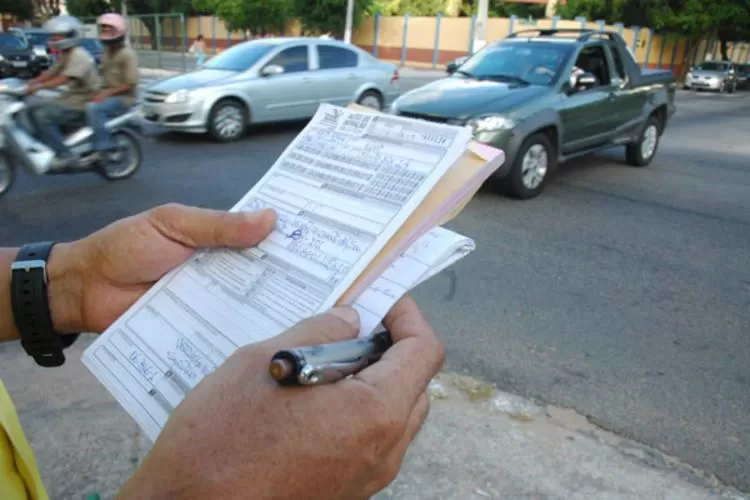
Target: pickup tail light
[394, 76]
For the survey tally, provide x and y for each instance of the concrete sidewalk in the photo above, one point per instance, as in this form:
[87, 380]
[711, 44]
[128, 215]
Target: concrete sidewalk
[477, 443]
[482, 443]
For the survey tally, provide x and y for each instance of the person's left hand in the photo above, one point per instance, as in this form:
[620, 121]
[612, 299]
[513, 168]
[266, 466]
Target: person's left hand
[94, 280]
[99, 97]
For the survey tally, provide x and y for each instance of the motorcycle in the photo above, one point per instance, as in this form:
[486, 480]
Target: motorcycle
[18, 144]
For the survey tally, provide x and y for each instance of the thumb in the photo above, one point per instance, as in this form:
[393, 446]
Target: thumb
[202, 228]
[337, 324]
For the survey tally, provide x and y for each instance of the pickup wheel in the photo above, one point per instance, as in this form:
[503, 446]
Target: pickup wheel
[535, 160]
[641, 152]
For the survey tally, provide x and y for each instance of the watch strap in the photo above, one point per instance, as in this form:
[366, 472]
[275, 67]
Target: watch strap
[30, 304]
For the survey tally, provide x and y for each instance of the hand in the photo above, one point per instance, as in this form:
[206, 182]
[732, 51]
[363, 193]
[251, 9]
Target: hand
[239, 432]
[99, 97]
[31, 88]
[95, 279]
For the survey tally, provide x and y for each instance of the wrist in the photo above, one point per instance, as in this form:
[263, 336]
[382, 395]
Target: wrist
[65, 287]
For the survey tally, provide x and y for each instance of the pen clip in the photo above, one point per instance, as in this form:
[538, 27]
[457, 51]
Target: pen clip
[331, 372]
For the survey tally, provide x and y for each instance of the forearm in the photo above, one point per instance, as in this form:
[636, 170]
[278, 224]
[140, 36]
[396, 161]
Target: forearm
[115, 91]
[41, 78]
[52, 83]
[63, 290]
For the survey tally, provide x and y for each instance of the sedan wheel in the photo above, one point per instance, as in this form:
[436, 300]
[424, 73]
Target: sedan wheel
[371, 99]
[227, 121]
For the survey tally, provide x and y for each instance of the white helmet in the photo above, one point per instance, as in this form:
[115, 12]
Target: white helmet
[68, 27]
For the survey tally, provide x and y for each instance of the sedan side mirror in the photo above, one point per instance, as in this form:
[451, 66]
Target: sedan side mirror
[272, 70]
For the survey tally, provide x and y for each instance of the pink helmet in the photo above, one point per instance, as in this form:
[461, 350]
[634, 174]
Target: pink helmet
[118, 24]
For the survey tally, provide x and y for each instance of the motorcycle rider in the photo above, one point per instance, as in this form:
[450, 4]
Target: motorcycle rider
[119, 73]
[74, 68]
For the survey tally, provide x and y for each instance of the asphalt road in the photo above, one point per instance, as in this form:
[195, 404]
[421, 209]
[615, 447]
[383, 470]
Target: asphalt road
[623, 293]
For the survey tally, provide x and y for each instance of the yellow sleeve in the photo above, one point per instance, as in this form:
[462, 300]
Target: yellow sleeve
[19, 476]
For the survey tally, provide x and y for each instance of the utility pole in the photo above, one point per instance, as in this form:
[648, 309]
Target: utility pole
[349, 21]
[125, 15]
[480, 34]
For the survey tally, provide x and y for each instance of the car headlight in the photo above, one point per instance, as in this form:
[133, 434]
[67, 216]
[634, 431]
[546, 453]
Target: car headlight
[179, 97]
[490, 123]
[689, 75]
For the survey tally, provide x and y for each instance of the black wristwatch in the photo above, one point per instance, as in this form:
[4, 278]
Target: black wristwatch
[30, 304]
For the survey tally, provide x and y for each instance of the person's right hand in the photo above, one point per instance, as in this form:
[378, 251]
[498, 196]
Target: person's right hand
[240, 435]
[31, 88]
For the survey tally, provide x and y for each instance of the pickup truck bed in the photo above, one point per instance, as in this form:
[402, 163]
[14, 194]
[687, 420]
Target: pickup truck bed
[648, 76]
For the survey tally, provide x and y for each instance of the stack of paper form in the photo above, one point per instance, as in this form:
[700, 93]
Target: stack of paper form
[359, 197]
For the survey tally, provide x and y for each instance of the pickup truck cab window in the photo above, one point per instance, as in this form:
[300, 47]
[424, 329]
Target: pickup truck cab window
[618, 66]
[592, 59]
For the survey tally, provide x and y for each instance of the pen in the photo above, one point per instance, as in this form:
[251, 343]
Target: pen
[327, 363]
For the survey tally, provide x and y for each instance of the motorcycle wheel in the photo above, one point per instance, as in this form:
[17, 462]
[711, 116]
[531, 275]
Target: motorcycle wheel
[7, 174]
[125, 160]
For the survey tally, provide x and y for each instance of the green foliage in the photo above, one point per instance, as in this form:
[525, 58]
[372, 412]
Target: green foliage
[328, 16]
[454, 8]
[412, 7]
[92, 8]
[259, 16]
[87, 8]
[726, 19]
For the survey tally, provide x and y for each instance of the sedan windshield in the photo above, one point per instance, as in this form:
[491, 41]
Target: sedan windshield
[240, 57]
[712, 66]
[527, 63]
[12, 42]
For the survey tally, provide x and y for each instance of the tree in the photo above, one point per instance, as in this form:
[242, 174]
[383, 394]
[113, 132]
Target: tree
[727, 20]
[260, 17]
[327, 16]
[23, 10]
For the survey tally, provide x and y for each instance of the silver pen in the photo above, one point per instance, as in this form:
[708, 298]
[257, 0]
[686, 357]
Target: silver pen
[327, 363]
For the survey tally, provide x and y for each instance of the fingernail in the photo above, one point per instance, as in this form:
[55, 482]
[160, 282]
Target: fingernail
[348, 314]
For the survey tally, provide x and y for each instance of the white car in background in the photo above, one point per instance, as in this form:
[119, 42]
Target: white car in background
[269, 80]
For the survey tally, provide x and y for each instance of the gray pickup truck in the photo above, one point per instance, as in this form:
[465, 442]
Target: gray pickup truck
[546, 96]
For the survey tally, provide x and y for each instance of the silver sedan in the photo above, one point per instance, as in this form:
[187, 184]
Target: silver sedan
[269, 80]
[712, 75]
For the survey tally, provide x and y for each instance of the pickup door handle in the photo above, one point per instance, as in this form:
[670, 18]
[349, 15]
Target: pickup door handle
[351, 76]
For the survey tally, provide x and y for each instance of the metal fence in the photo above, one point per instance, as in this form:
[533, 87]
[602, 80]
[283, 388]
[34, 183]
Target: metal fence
[161, 41]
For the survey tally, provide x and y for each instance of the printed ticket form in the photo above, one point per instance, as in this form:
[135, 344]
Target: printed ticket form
[341, 190]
